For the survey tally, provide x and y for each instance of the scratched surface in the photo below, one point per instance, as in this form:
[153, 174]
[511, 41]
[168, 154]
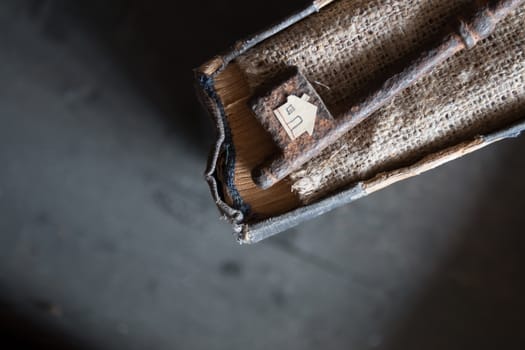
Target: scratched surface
[109, 239]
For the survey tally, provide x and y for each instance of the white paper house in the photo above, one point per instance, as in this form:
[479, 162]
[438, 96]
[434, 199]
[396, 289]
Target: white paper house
[297, 116]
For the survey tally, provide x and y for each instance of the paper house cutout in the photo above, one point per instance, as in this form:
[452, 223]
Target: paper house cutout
[297, 116]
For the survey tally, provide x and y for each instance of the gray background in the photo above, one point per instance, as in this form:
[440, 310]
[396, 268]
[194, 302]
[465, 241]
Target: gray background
[109, 238]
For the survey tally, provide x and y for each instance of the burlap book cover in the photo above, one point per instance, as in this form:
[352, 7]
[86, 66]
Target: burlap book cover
[475, 98]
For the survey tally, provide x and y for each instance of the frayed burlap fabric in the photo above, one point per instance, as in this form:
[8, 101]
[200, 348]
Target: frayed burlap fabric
[352, 42]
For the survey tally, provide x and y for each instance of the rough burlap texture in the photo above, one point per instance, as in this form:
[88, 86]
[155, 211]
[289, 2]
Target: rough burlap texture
[352, 42]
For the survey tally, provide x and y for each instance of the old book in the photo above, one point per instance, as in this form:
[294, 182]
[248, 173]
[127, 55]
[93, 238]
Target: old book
[344, 48]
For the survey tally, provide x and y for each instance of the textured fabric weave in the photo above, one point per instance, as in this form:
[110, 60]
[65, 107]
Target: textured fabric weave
[353, 42]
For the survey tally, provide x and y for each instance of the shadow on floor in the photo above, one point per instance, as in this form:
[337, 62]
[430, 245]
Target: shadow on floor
[20, 332]
[476, 300]
[159, 43]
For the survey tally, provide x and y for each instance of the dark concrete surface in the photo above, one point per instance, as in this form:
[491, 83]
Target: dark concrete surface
[109, 238]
